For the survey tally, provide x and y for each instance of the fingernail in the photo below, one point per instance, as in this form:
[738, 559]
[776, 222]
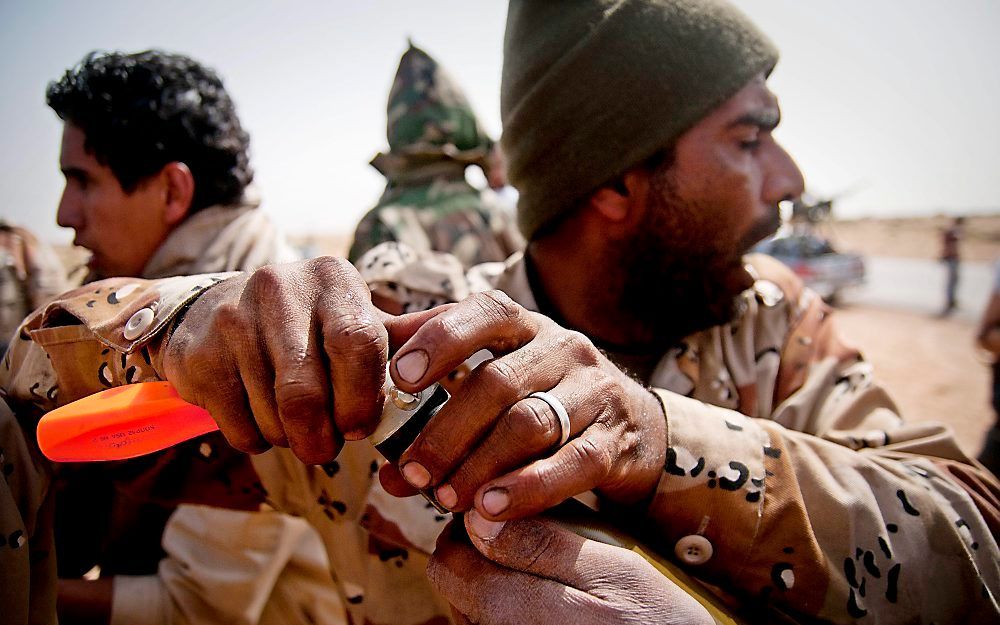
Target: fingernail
[496, 500]
[416, 474]
[483, 528]
[412, 365]
[446, 496]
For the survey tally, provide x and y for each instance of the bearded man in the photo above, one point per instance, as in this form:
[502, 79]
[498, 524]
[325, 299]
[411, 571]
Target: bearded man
[757, 451]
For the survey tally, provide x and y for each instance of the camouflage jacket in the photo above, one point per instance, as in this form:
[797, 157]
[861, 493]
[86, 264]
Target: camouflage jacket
[783, 452]
[30, 275]
[140, 492]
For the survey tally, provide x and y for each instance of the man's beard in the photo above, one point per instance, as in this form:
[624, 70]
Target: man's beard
[677, 278]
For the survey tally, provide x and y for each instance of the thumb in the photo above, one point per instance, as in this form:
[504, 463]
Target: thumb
[619, 578]
[544, 549]
[402, 327]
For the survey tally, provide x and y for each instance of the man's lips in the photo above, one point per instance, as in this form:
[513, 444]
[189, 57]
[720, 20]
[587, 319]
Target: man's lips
[92, 261]
[760, 230]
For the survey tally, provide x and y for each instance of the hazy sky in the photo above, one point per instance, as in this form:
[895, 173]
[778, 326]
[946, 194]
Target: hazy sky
[896, 104]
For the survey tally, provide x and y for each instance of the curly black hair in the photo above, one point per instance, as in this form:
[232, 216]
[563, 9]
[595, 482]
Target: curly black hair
[142, 111]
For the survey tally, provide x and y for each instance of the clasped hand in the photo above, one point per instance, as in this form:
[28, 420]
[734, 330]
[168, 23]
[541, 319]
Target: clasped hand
[294, 355]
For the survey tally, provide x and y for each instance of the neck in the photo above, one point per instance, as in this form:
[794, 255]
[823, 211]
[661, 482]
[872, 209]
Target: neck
[580, 292]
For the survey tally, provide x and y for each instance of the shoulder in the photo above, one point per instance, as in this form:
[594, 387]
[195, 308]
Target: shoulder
[770, 270]
[403, 279]
[793, 316]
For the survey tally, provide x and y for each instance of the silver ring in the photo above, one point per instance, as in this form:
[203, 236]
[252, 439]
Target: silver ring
[560, 411]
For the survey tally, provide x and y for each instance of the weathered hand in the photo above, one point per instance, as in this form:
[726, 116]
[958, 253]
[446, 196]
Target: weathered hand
[290, 355]
[533, 571]
[493, 447]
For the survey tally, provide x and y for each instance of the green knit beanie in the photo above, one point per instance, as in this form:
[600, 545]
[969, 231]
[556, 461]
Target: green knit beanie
[593, 87]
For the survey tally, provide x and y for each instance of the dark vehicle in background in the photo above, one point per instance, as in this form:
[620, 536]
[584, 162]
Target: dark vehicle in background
[813, 259]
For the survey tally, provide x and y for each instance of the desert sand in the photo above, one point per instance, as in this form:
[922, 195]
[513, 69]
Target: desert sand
[918, 237]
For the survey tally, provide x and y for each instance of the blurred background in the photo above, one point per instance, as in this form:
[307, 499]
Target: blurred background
[890, 109]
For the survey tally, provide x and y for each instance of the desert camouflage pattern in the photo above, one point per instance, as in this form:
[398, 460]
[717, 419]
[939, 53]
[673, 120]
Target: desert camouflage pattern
[202, 471]
[30, 275]
[783, 451]
[789, 457]
[433, 136]
[377, 545]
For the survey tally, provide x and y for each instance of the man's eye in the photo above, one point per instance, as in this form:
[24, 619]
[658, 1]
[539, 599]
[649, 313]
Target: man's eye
[82, 182]
[750, 145]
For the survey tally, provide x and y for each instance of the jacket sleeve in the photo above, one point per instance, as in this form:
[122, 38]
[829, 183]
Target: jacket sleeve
[97, 336]
[831, 506]
[27, 554]
[227, 566]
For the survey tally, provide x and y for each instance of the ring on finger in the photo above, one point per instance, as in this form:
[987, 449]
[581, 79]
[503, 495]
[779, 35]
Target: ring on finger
[560, 411]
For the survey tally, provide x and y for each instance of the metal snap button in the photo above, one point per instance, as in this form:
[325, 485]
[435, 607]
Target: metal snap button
[138, 323]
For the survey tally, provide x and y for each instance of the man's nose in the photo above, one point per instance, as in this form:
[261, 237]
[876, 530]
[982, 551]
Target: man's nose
[69, 214]
[784, 178]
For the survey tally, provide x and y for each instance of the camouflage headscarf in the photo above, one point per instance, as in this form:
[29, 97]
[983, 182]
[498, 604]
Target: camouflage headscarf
[430, 120]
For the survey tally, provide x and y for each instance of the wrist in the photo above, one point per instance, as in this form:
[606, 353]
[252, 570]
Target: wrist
[176, 335]
[639, 474]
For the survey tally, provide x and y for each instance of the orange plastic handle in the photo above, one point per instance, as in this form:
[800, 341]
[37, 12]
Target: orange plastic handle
[138, 419]
[120, 423]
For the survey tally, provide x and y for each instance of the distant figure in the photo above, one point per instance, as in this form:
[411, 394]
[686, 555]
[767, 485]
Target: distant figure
[950, 256]
[30, 274]
[988, 338]
[427, 204]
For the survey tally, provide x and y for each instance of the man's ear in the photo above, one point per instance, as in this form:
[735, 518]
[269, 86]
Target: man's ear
[623, 199]
[179, 189]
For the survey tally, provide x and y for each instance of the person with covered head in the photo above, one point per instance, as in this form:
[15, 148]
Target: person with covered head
[427, 204]
[703, 395]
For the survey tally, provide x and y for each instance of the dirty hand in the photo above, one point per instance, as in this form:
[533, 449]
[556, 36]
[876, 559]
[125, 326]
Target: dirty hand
[493, 447]
[533, 571]
[291, 355]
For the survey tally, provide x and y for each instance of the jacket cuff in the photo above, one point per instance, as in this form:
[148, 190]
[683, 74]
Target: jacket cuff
[713, 483]
[122, 313]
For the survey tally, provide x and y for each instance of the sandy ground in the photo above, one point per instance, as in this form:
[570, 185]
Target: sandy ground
[930, 366]
[916, 237]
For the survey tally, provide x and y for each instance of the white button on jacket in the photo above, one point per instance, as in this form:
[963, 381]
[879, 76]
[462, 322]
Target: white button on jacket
[693, 550]
[138, 323]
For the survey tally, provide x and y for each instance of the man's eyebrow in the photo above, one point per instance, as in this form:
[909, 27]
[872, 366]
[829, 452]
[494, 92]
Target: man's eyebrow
[765, 119]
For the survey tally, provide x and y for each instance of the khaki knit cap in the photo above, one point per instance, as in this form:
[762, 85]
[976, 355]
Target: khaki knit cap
[593, 87]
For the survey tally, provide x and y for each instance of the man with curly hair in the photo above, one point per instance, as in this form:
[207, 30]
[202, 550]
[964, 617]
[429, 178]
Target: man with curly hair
[150, 141]
[157, 171]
